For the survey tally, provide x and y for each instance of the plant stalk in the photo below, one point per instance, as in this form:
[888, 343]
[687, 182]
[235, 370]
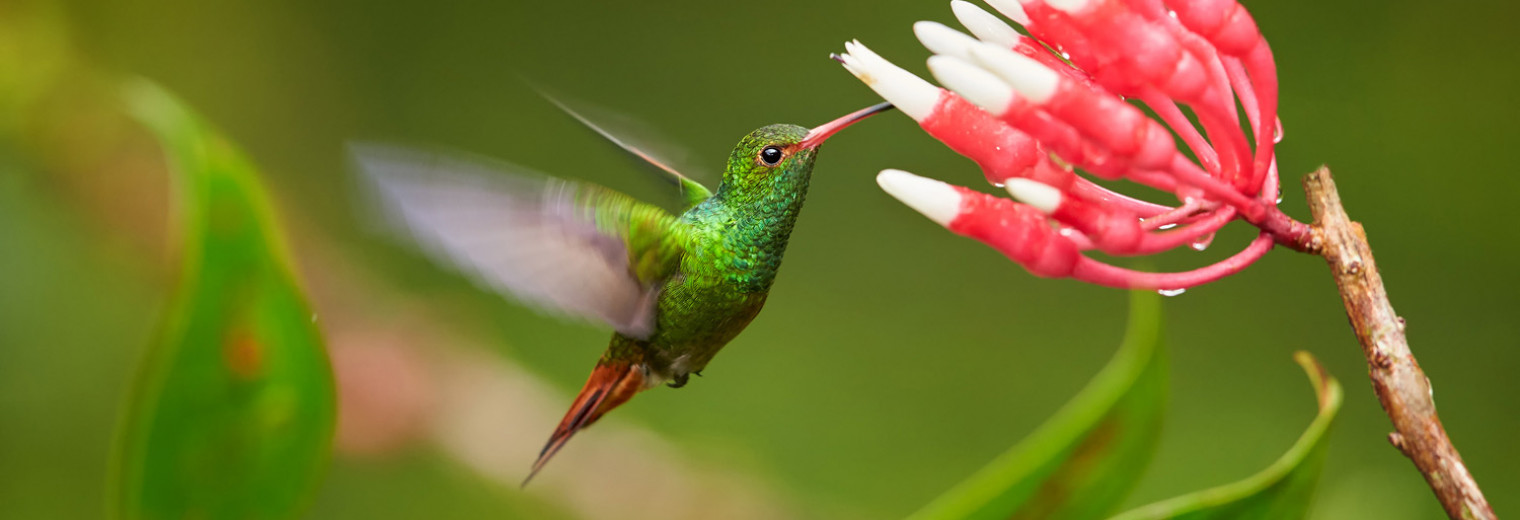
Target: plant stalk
[1400, 385]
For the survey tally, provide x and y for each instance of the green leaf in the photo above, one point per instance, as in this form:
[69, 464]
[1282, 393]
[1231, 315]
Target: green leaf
[232, 413]
[1283, 490]
[1082, 462]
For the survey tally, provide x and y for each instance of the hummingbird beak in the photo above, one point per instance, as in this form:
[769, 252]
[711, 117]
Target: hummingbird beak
[816, 136]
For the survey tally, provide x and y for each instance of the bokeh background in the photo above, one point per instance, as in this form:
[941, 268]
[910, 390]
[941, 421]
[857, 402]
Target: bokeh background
[893, 359]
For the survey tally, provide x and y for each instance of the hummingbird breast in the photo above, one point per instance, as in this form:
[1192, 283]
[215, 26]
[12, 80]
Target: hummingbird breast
[721, 286]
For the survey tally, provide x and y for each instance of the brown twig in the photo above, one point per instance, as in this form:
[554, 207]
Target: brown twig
[1396, 377]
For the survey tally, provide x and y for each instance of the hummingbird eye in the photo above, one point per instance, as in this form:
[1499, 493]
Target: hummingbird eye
[771, 155]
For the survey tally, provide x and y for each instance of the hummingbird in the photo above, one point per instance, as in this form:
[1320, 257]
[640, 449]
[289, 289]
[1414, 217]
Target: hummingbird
[674, 288]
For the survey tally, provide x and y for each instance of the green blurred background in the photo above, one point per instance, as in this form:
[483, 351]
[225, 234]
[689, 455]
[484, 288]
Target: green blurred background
[893, 358]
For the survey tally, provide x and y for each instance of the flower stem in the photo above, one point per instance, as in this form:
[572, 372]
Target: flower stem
[1400, 385]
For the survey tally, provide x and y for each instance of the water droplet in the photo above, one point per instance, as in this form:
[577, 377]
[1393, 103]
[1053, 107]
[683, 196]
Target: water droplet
[1171, 292]
[998, 185]
[1202, 243]
[1165, 227]
[1277, 132]
[1279, 199]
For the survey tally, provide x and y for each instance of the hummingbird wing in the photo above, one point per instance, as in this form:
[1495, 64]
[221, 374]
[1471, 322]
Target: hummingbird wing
[575, 249]
[620, 130]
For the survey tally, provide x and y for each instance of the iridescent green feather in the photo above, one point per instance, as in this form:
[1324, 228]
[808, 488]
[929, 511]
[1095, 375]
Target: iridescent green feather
[694, 191]
[676, 289]
[737, 239]
[655, 239]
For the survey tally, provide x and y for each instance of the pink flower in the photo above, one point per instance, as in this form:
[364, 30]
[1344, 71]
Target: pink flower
[1030, 109]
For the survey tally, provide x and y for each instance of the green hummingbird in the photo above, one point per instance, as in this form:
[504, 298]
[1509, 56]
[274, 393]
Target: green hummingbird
[675, 288]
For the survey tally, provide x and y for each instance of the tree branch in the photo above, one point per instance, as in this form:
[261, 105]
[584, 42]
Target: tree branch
[1401, 386]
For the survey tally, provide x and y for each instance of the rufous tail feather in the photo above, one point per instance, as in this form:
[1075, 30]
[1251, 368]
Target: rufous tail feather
[611, 384]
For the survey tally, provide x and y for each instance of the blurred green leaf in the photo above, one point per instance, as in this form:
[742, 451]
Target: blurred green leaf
[233, 409]
[1283, 490]
[1083, 461]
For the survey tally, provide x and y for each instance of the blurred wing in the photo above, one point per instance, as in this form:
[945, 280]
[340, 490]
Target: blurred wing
[636, 139]
[576, 249]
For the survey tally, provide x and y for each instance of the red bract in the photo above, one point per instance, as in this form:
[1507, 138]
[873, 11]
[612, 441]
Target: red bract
[1029, 109]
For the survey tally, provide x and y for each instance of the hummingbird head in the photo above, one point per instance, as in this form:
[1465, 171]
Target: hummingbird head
[776, 161]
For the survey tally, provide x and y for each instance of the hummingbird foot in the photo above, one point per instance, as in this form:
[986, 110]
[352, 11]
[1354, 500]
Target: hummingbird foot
[679, 381]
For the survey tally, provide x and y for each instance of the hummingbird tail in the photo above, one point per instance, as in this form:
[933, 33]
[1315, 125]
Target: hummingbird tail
[611, 384]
